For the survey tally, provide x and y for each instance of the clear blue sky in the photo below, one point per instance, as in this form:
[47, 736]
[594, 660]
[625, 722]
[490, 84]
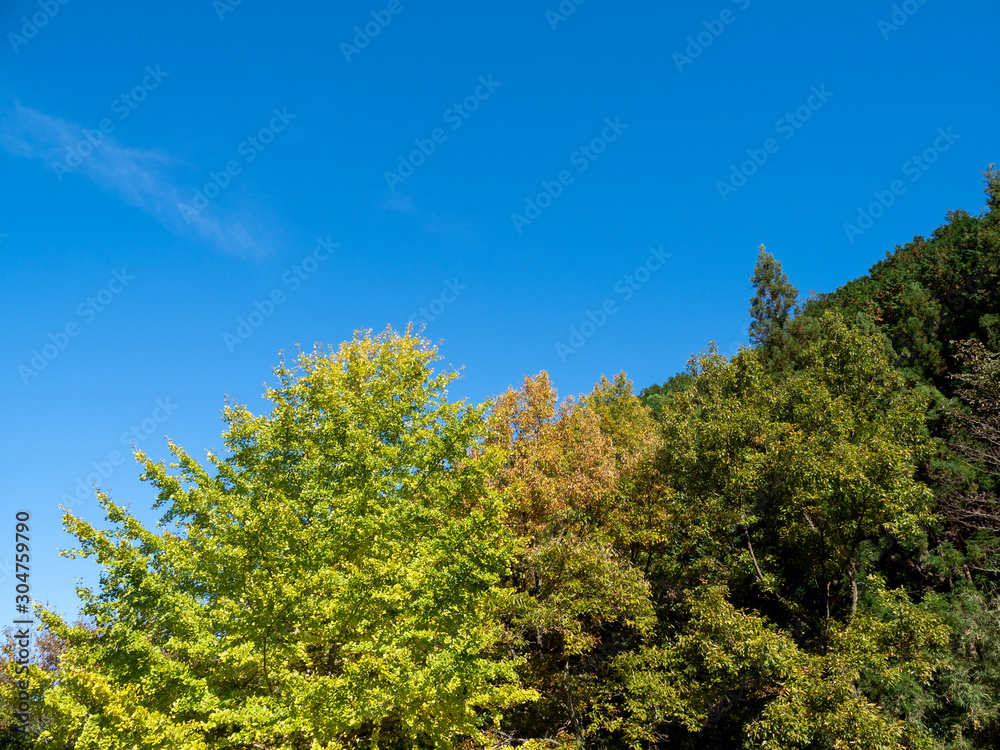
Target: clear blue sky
[127, 283]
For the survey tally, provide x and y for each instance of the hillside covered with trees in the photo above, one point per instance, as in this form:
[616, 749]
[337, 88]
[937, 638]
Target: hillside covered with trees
[795, 547]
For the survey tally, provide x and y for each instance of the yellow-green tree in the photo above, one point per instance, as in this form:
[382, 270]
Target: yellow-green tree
[331, 583]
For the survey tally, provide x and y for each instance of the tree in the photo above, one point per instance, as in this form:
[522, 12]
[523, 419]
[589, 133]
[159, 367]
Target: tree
[333, 583]
[927, 294]
[975, 432]
[48, 649]
[654, 396]
[773, 300]
[780, 628]
[579, 597]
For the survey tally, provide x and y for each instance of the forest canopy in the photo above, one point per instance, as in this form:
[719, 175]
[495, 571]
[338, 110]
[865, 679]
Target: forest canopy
[794, 547]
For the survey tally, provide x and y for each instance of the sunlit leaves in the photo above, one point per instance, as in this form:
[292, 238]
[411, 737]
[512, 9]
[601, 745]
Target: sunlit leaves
[334, 579]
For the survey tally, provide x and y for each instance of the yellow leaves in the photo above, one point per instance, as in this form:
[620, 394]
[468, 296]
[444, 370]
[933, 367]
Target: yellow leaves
[338, 572]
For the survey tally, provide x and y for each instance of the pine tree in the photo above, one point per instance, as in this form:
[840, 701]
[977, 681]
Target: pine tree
[774, 300]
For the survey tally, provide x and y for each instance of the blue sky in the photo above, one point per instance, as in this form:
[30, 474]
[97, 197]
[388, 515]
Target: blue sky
[576, 188]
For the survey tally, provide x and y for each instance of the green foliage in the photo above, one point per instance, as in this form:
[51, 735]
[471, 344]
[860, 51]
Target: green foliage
[567, 465]
[930, 293]
[48, 648]
[794, 548]
[334, 584]
[937, 301]
[655, 396]
[773, 301]
[781, 483]
[732, 667]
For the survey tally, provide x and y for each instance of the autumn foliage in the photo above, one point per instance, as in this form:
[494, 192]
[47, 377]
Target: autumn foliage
[794, 547]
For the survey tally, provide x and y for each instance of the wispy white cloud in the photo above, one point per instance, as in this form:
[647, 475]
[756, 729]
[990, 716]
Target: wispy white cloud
[139, 177]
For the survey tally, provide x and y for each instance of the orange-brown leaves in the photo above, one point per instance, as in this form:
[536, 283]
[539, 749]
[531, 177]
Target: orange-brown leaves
[561, 468]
